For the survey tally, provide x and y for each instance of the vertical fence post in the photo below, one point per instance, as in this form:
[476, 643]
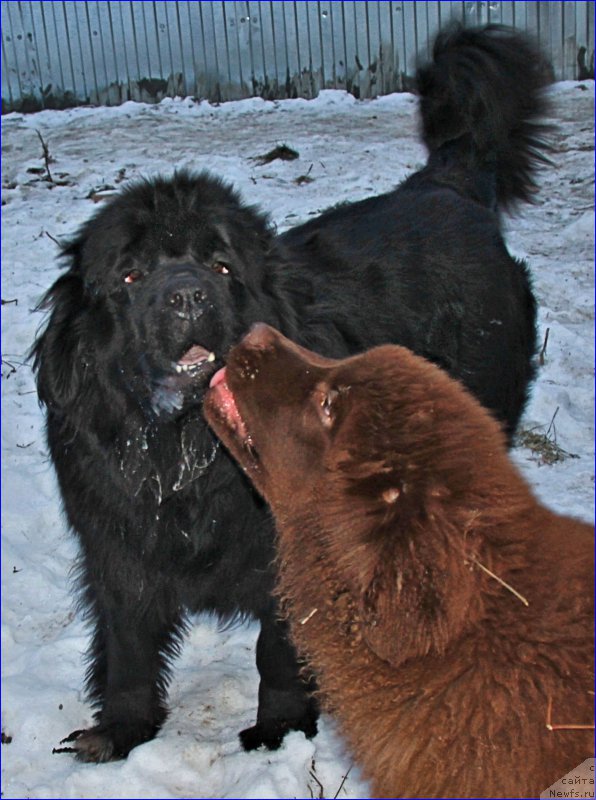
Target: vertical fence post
[73, 52]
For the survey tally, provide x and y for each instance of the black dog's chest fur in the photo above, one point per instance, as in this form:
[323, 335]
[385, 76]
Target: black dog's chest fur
[180, 508]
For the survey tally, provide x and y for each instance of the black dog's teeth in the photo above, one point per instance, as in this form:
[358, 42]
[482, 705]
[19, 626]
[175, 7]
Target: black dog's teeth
[180, 368]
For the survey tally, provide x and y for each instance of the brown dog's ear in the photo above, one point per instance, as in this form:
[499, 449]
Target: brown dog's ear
[417, 591]
[378, 612]
[377, 496]
[407, 578]
[402, 614]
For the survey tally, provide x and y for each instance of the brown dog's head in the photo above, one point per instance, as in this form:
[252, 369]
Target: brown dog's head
[394, 464]
[275, 406]
[386, 421]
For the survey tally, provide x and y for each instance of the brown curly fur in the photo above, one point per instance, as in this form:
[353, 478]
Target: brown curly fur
[393, 494]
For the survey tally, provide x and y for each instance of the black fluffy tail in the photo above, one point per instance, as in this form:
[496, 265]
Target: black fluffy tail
[485, 87]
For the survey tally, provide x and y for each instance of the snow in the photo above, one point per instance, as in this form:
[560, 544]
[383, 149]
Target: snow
[350, 149]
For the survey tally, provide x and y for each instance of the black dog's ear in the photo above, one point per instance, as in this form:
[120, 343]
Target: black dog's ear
[58, 351]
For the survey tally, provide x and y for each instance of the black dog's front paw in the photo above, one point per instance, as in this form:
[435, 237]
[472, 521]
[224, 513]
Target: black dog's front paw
[106, 742]
[271, 734]
[257, 736]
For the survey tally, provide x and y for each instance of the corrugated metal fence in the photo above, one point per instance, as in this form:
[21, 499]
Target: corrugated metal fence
[60, 54]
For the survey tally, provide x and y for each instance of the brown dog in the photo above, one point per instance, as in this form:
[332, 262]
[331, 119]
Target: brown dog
[447, 614]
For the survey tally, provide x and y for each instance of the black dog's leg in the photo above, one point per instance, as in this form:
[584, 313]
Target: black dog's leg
[285, 697]
[136, 633]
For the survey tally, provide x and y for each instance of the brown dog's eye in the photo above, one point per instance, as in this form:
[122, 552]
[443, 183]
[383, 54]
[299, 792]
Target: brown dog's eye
[325, 406]
[220, 268]
[133, 275]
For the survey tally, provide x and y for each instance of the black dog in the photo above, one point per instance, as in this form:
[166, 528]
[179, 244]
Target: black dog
[165, 279]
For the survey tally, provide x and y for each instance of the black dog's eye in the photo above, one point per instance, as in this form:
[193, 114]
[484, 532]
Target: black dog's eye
[220, 267]
[132, 276]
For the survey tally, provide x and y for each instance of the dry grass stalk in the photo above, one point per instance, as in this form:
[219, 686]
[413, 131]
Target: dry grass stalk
[501, 581]
[563, 726]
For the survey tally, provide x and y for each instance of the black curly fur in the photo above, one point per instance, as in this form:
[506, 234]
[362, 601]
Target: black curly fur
[488, 84]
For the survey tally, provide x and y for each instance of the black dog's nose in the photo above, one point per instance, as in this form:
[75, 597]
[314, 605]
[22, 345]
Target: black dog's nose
[187, 301]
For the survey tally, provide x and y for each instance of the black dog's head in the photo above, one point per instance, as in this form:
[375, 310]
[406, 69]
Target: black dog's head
[161, 282]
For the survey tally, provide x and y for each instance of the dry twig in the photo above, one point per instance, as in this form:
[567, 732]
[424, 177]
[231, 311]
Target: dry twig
[543, 350]
[46, 157]
[341, 785]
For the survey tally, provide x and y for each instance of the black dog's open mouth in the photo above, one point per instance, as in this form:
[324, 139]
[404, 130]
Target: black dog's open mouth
[223, 403]
[193, 360]
[183, 381]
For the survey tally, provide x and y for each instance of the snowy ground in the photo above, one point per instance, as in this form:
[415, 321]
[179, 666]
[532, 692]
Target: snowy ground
[348, 150]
